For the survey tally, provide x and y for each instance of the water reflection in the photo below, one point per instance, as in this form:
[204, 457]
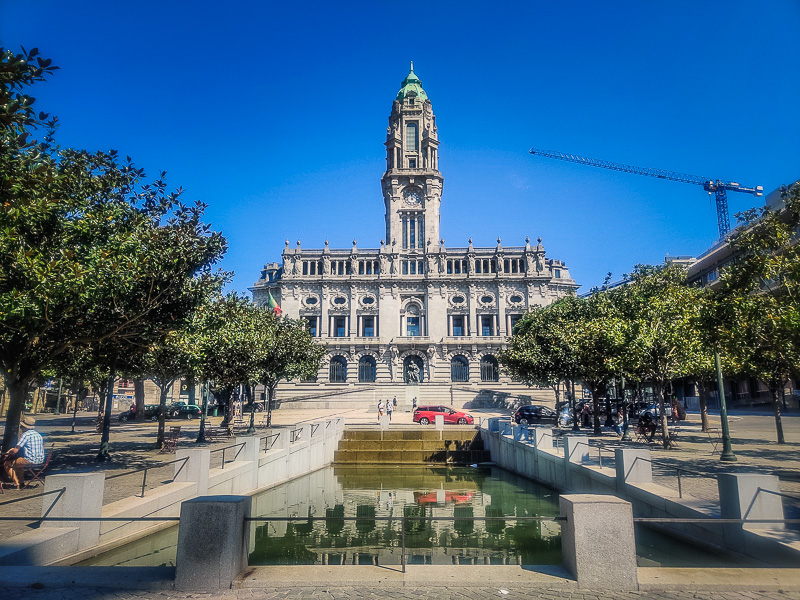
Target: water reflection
[371, 512]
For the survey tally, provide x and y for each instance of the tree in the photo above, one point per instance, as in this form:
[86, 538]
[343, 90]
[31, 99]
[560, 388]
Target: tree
[164, 363]
[287, 351]
[758, 301]
[660, 306]
[90, 254]
[538, 353]
[228, 343]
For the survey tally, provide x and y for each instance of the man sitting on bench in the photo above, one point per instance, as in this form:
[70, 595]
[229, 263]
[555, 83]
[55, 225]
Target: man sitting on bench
[29, 451]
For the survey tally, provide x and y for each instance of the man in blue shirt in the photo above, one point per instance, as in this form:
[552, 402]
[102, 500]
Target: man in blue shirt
[29, 451]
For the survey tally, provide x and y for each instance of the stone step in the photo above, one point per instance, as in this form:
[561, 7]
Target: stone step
[409, 457]
[410, 434]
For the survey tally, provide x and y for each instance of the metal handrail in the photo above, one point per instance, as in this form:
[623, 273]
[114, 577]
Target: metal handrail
[294, 435]
[32, 496]
[145, 469]
[314, 427]
[781, 494]
[267, 444]
[240, 445]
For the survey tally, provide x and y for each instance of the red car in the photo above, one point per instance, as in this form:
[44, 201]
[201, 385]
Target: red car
[427, 414]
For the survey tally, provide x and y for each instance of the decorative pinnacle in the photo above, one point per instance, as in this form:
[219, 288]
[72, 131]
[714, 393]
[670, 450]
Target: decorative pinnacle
[412, 65]
[527, 239]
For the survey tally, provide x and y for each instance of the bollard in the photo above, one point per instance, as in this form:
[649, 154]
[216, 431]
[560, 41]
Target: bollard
[739, 498]
[595, 526]
[212, 542]
[542, 438]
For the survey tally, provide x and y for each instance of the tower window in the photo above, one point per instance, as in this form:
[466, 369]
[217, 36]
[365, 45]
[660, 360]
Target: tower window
[412, 326]
[339, 327]
[412, 163]
[458, 325]
[369, 327]
[412, 136]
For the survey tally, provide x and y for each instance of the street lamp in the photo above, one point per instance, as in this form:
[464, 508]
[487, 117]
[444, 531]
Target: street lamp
[727, 452]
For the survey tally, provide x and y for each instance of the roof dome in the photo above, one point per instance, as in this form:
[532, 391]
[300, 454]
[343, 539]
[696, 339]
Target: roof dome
[411, 87]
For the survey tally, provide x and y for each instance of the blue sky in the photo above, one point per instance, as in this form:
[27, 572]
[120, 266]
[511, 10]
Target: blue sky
[274, 114]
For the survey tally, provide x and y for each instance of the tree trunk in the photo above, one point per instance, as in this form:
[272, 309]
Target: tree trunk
[776, 404]
[162, 412]
[703, 389]
[270, 396]
[104, 438]
[557, 390]
[138, 395]
[662, 403]
[17, 394]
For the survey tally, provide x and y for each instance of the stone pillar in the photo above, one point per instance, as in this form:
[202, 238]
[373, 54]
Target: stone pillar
[212, 542]
[82, 497]
[595, 526]
[740, 498]
[542, 438]
[249, 453]
[576, 450]
[196, 468]
[633, 466]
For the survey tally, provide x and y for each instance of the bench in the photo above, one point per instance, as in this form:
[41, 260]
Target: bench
[216, 434]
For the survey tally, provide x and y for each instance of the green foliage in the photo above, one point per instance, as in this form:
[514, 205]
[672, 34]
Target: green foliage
[757, 316]
[92, 256]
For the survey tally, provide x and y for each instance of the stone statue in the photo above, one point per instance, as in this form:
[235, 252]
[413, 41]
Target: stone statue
[326, 265]
[394, 265]
[412, 372]
[384, 264]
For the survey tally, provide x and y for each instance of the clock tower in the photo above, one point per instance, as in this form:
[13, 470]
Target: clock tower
[412, 184]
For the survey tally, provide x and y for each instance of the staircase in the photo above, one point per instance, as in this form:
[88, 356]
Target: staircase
[455, 445]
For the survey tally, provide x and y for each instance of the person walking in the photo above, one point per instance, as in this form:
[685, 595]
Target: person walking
[380, 409]
[389, 409]
[29, 451]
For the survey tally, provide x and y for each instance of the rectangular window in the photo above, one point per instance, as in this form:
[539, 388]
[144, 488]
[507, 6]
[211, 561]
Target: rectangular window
[412, 230]
[412, 326]
[558, 273]
[369, 267]
[412, 163]
[487, 325]
[313, 268]
[413, 265]
[405, 232]
[458, 325]
[412, 141]
[369, 326]
[311, 323]
[339, 327]
[513, 320]
[405, 267]
[449, 267]
[305, 268]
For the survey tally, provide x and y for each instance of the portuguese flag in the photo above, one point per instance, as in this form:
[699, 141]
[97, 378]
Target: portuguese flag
[273, 305]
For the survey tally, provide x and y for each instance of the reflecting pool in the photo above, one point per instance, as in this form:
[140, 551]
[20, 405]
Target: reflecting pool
[345, 515]
[436, 513]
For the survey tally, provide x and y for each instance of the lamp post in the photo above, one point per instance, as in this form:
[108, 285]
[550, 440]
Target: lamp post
[727, 452]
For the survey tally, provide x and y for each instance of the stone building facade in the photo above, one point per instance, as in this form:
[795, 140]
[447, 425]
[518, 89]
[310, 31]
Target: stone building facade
[412, 310]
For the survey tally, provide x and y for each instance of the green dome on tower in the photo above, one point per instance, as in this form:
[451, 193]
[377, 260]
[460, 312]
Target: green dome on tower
[411, 86]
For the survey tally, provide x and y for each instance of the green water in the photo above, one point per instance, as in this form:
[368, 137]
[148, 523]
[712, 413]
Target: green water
[374, 512]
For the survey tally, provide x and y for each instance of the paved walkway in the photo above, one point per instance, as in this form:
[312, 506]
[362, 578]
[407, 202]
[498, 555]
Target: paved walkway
[399, 593]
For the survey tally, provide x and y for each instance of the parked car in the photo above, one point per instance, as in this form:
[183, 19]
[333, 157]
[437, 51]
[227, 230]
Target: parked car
[535, 413]
[181, 410]
[653, 411]
[427, 414]
[150, 413]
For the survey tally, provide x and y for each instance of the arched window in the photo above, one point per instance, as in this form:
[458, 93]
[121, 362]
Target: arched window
[366, 369]
[338, 369]
[412, 140]
[489, 370]
[459, 369]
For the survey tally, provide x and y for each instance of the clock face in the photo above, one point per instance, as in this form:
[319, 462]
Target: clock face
[412, 197]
